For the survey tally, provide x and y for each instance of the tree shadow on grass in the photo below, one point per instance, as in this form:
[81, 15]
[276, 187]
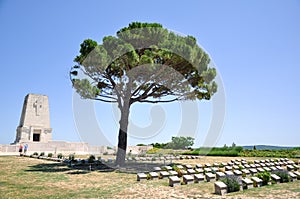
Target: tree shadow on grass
[68, 168]
[79, 168]
[48, 168]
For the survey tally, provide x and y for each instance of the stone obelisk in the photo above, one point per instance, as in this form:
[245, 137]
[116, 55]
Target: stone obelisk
[35, 120]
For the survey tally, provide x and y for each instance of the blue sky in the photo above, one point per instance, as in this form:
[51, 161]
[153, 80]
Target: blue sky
[255, 46]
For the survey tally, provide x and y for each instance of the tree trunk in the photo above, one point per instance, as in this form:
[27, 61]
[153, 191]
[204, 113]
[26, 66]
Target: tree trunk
[122, 139]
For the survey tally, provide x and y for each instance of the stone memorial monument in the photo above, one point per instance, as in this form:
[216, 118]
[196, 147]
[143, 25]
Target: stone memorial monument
[35, 120]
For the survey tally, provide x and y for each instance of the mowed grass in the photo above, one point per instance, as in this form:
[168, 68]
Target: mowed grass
[33, 178]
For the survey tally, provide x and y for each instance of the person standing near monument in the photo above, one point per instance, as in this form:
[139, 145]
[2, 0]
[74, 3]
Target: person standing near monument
[25, 148]
[20, 149]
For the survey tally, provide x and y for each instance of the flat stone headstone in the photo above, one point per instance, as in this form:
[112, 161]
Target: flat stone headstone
[164, 174]
[246, 172]
[257, 165]
[256, 161]
[167, 168]
[262, 161]
[179, 166]
[279, 168]
[236, 163]
[229, 163]
[253, 171]
[238, 173]
[198, 178]
[267, 164]
[297, 173]
[220, 175]
[191, 171]
[229, 173]
[289, 167]
[260, 170]
[199, 170]
[267, 169]
[257, 181]
[276, 178]
[220, 188]
[248, 184]
[207, 170]
[272, 164]
[293, 176]
[153, 175]
[173, 173]
[262, 164]
[290, 162]
[188, 166]
[210, 177]
[247, 166]
[207, 165]
[188, 179]
[253, 166]
[228, 168]
[174, 181]
[224, 164]
[141, 176]
[235, 167]
[157, 169]
[183, 172]
[273, 168]
[199, 166]
[216, 165]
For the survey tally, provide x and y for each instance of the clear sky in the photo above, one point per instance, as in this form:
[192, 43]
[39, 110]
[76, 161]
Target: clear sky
[255, 46]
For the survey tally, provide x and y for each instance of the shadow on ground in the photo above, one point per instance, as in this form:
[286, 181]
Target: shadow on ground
[132, 167]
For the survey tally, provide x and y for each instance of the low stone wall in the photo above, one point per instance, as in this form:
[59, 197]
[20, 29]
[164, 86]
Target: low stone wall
[55, 147]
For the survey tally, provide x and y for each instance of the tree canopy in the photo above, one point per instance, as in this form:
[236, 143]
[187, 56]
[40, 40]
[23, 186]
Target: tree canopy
[144, 63]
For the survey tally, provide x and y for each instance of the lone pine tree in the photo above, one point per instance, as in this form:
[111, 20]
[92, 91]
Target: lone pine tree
[143, 63]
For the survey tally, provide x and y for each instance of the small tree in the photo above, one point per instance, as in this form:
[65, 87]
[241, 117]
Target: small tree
[180, 142]
[233, 145]
[143, 63]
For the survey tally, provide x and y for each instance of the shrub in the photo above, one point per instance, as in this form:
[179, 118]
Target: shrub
[42, 153]
[232, 183]
[180, 174]
[284, 176]
[72, 157]
[91, 159]
[148, 176]
[265, 176]
[35, 153]
[50, 155]
[60, 156]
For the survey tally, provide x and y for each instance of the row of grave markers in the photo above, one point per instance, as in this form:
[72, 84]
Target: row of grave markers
[210, 173]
